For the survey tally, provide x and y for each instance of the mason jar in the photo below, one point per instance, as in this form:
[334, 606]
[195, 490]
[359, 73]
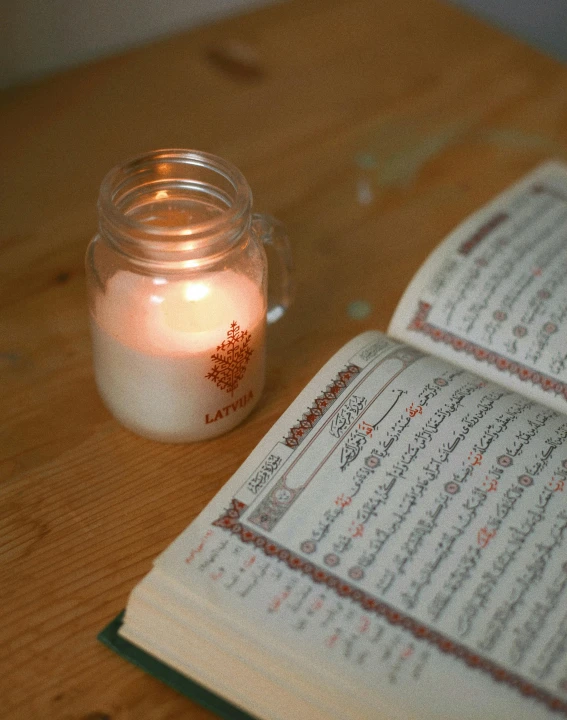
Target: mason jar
[177, 290]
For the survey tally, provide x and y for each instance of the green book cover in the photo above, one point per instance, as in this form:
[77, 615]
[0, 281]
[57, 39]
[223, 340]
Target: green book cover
[110, 637]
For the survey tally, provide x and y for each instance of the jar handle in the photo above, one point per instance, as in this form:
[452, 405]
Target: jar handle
[271, 233]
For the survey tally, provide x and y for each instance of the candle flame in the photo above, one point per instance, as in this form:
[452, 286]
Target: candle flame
[196, 291]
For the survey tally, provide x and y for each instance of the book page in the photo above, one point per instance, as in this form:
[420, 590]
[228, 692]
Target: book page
[493, 296]
[398, 538]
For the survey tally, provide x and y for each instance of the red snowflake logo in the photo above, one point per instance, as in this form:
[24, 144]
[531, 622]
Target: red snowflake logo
[231, 359]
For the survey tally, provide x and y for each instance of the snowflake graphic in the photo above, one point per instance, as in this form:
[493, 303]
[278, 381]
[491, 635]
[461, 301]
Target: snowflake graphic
[231, 359]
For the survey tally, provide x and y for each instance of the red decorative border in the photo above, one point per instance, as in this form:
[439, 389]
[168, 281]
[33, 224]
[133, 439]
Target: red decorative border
[542, 189]
[230, 521]
[496, 220]
[321, 405]
[502, 363]
[482, 233]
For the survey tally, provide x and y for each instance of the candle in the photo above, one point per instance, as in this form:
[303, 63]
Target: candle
[177, 289]
[179, 360]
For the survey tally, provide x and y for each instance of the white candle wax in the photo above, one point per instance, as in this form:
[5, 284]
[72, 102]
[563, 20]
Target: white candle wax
[179, 361]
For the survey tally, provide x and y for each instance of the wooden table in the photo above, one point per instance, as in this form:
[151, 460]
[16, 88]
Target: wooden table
[370, 128]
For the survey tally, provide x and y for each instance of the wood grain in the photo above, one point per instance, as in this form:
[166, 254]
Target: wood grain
[370, 128]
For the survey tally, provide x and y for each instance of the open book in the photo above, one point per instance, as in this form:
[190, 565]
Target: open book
[396, 545]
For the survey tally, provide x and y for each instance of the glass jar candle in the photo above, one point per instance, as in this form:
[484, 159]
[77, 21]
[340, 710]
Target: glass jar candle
[177, 291]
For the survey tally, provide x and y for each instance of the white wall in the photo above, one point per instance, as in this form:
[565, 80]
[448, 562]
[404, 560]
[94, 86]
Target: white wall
[542, 23]
[38, 37]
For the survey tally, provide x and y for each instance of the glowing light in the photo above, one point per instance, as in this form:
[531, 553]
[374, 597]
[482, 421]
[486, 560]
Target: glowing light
[196, 291]
[159, 281]
[161, 194]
